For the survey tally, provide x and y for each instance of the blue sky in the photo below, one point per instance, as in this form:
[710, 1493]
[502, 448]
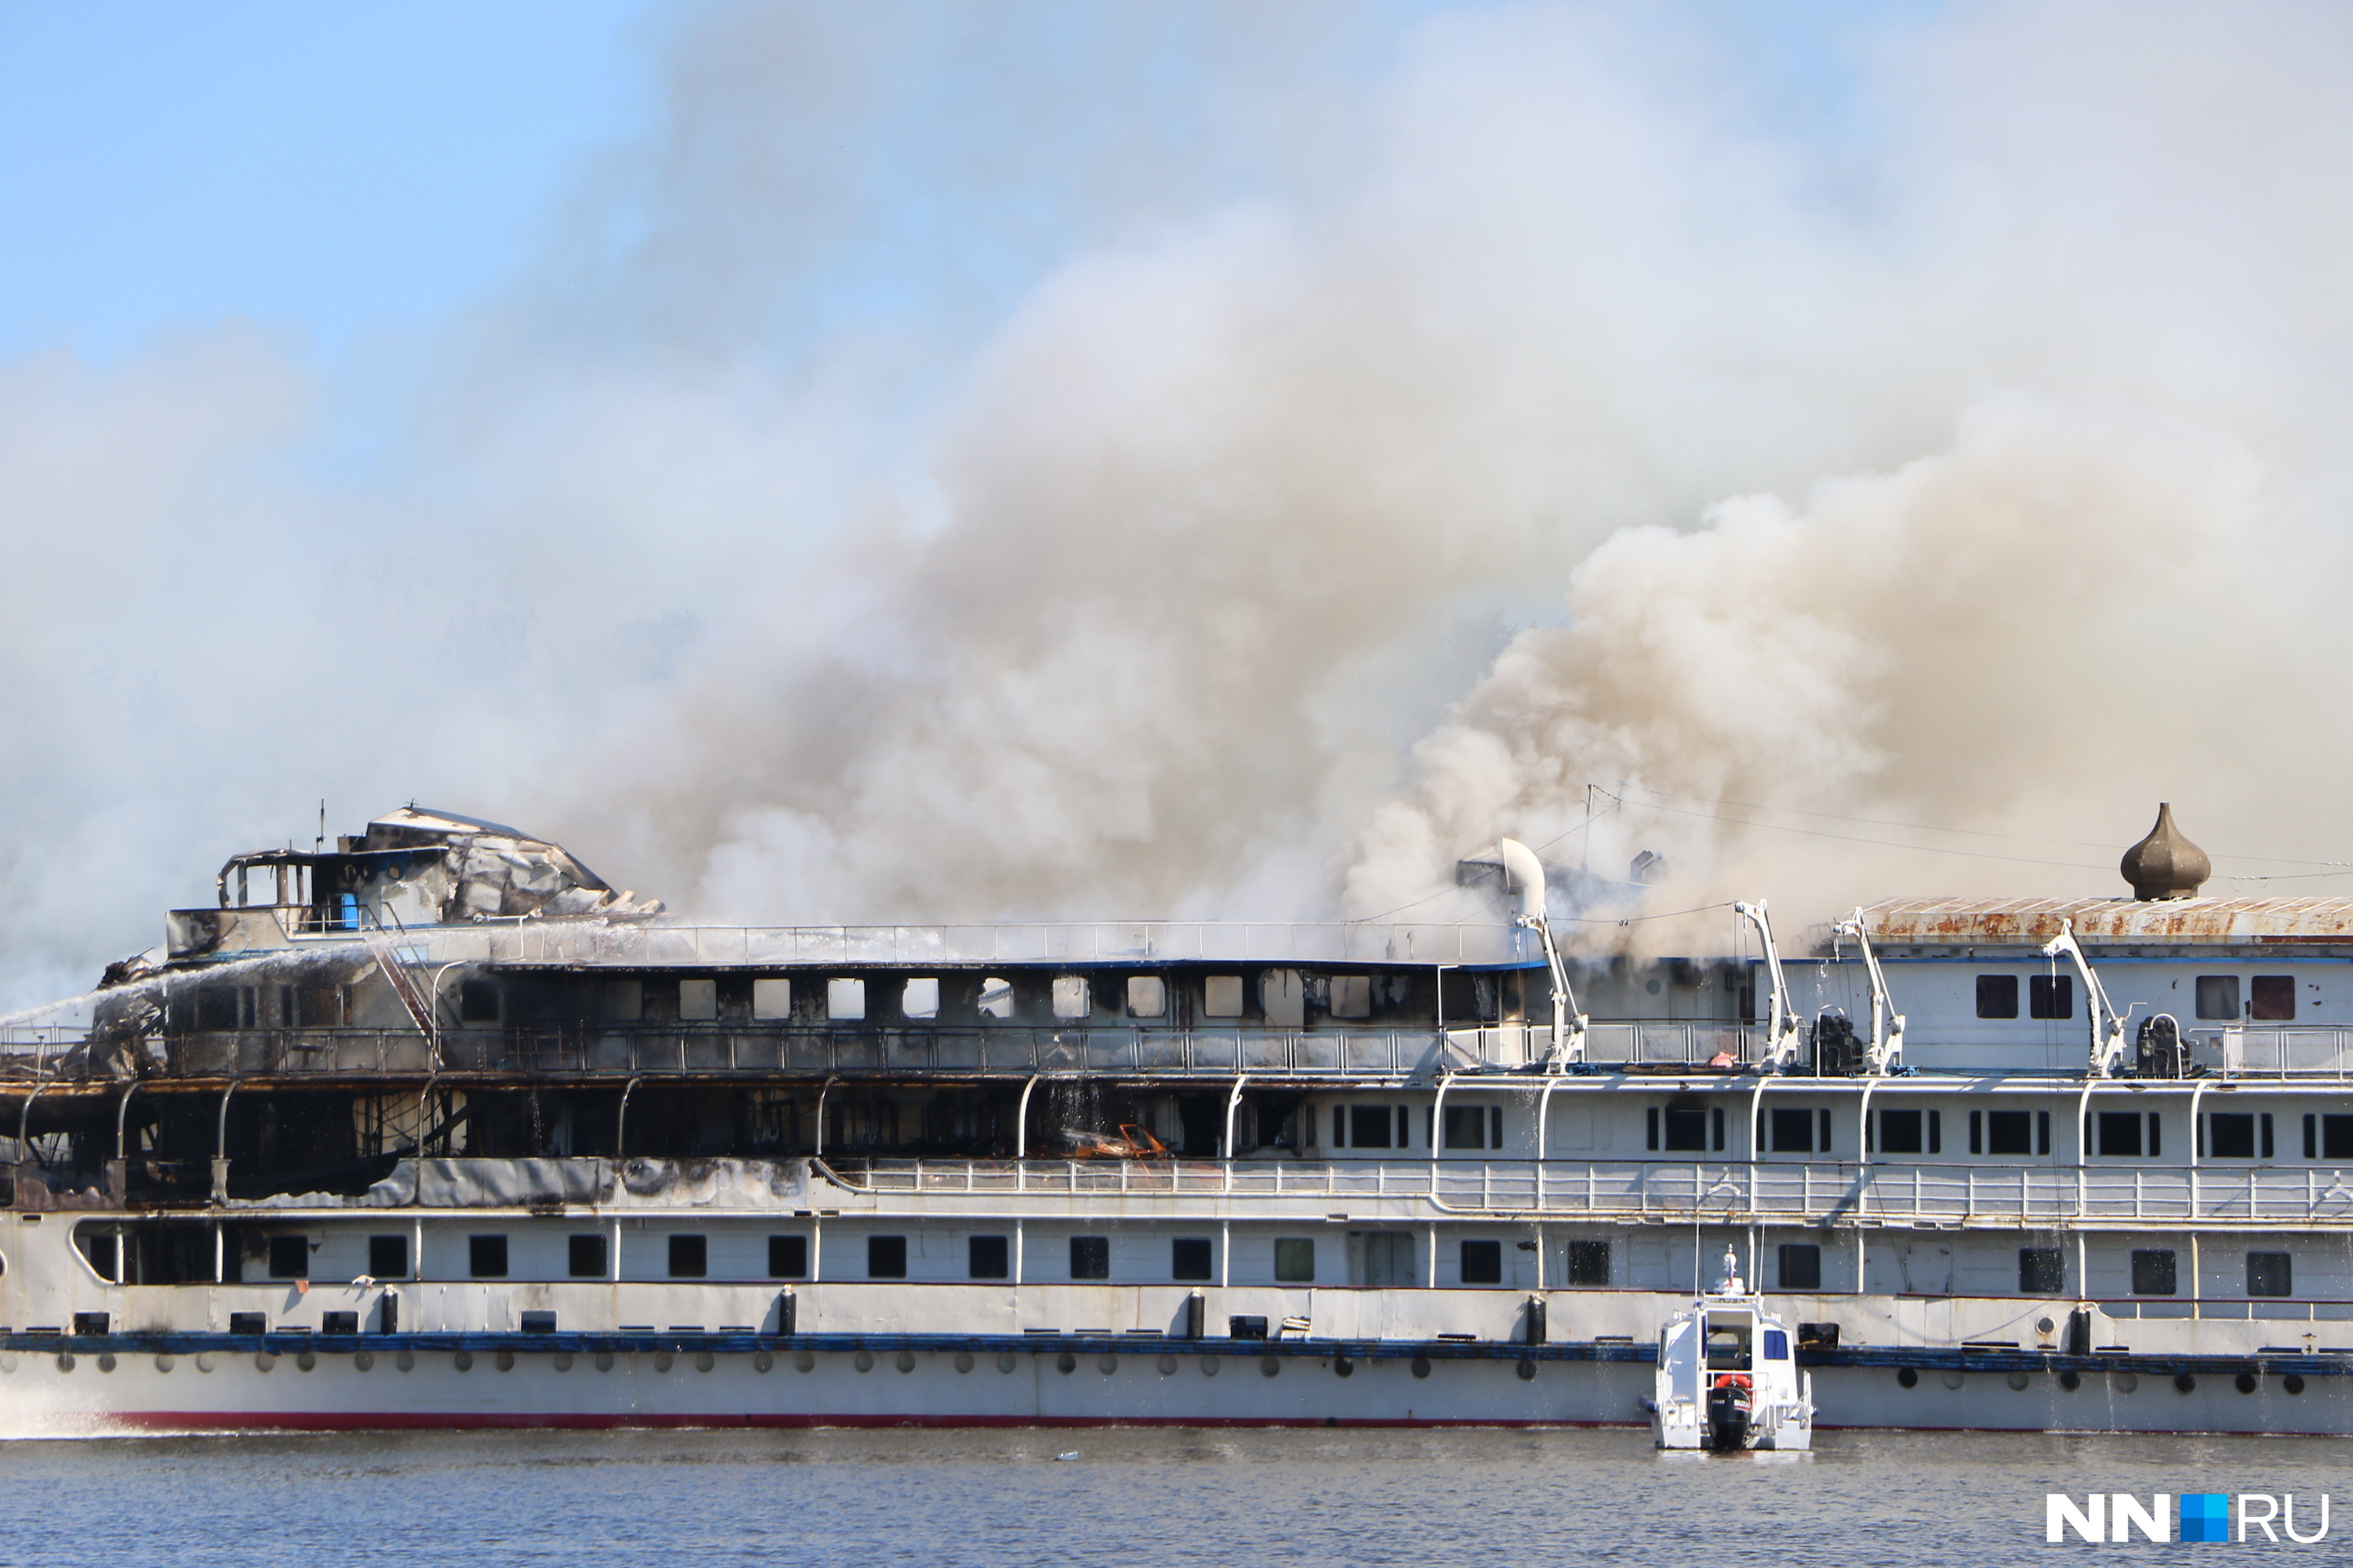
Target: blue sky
[328, 169]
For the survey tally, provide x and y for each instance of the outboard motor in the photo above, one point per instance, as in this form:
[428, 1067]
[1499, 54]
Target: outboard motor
[2157, 1050]
[1729, 1407]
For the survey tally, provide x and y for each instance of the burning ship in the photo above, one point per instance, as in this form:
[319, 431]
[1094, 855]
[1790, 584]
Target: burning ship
[439, 1129]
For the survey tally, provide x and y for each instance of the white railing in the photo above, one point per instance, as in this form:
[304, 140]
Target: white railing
[1147, 941]
[1767, 1192]
[2294, 1049]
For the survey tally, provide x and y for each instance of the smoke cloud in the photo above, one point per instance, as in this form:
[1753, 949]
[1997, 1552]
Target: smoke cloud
[1235, 465]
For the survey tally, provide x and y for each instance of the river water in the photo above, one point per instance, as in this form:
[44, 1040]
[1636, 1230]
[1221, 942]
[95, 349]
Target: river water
[1135, 1497]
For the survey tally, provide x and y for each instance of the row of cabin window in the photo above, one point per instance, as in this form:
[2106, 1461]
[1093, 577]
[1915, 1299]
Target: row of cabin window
[1391, 1126]
[2042, 1271]
[1190, 1258]
[1349, 996]
[2271, 998]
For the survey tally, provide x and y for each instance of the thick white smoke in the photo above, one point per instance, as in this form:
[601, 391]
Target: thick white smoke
[941, 476]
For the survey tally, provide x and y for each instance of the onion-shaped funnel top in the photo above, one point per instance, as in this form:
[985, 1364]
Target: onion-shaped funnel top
[2165, 865]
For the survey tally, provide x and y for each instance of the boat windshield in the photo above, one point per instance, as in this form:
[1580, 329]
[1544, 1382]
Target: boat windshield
[1727, 1348]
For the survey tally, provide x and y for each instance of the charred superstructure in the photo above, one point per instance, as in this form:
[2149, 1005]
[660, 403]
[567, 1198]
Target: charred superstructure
[440, 1105]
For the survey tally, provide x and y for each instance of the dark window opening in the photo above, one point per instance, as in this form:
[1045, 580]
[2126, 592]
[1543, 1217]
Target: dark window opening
[886, 1257]
[585, 1257]
[2153, 1273]
[1997, 996]
[2041, 1270]
[1466, 1126]
[2270, 1274]
[485, 1257]
[988, 1257]
[1091, 1258]
[1686, 1130]
[1802, 1265]
[2218, 997]
[1588, 1263]
[2271, 1000]
[388, 1257]
[2051, 996]
[1191, 1258]
[538, 1322]
[1295, 1260]
[2010, 1133]
[2041, 1132]
[2337, 1138]
[478, 1002]
[290, 1257]
[1368, 1126]
[1901, 1132]
[339, 1323]
[1482, 1262]
[1793, 1132]
[2230, 1135]
[1715, 1119]
[788, 1257]
[689, 1257]
[2119, 1132]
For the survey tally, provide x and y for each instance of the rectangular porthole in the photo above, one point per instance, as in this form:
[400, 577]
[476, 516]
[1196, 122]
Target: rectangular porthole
[2153, 1272]
[2230, 1135]
[1802, 1265]
[2010, 1133]
[1071, 996]
[2041, 1270]
[1793, 1132]
[1295, 1260]
[1482, 1262]
[1352, 996]
[1686, 1130]
[1901, 1132]
[1147, 996]
[1368, 1126]
[919, 999]
[2119, 1132]
[1221, 996]
[1190, 1258]
[698, 1001]
[2270, 1274]
[1997, 996]
[845, 1000]
[2051, 996]
[771, 998]
[1466, 1126]
[2218, 997]
[2271, 999]
[1588, 1264]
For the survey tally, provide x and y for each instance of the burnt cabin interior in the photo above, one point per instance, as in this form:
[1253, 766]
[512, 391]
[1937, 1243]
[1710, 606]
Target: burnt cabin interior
[341, 1132]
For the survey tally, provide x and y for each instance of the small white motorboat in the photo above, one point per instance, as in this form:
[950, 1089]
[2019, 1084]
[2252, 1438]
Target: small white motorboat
[1727, 1377]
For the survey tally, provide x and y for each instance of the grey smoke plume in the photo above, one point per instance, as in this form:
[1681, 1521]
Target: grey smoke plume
[954, 469]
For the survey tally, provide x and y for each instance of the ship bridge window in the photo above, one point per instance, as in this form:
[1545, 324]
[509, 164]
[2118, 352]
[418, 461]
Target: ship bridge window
[1091, 1258]
[1368, 1126]
[1482, 1262]
[1147, 996]
[1588, 1264]
[1793, 1131]
[2271, 999]
[845, 998]
[788, 1258]
[1189, 1258]
[2051, 996]
[771, 998]
[486, 1258]
[388, 1257]
[2218, 996]
[886, 1257]
[919, 999]
[1295, 1260]
[689, 1256]
[1071, 996]
[2271, 1274]
[1221, 996]
[1352, 996]
[988, 1257]
[996, 997]
[1997, 996]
